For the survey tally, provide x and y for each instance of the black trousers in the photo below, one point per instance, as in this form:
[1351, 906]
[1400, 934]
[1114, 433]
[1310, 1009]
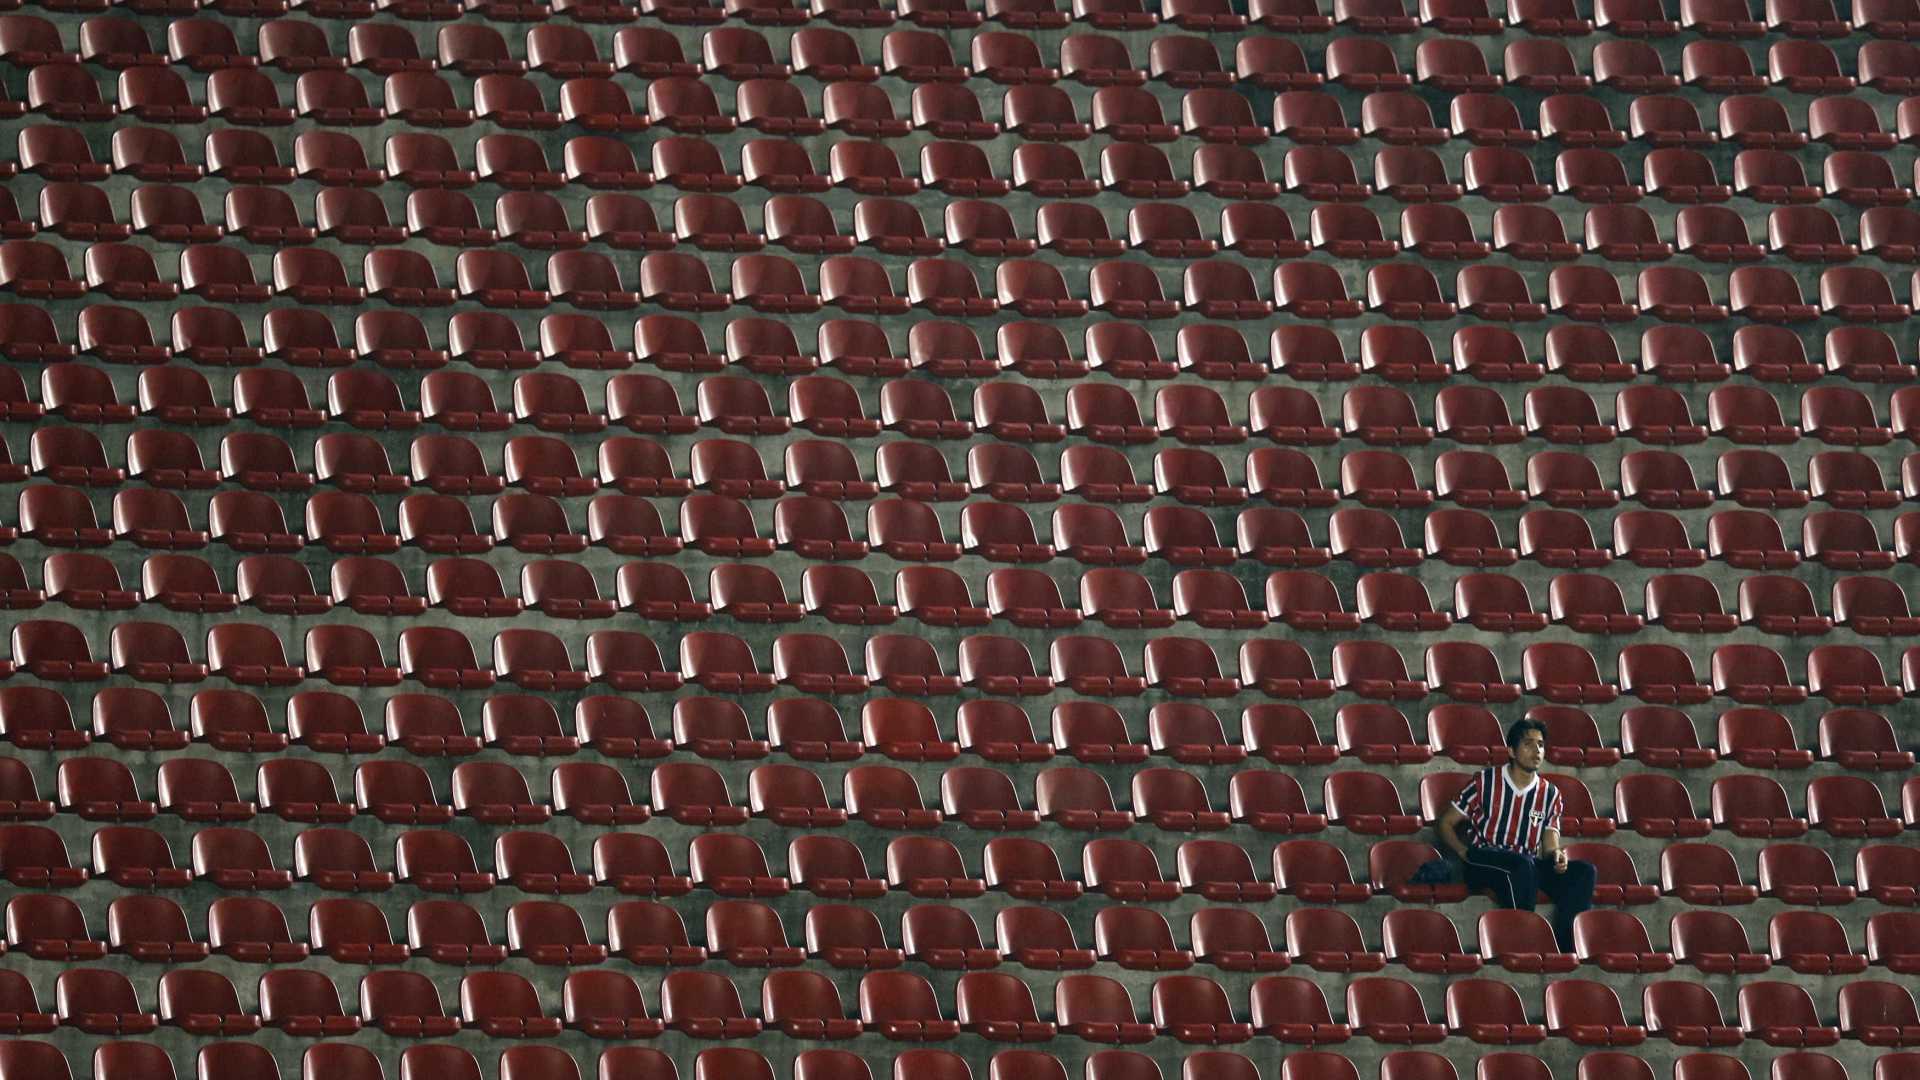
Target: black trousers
[1516, 880]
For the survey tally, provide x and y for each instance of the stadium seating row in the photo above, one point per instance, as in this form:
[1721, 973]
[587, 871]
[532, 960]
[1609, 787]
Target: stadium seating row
[443, 657]
[1703, 874]
[235, 1060]
[1002, 56]
[535, 220]
[1365, 802]
[397, 339]
[826, 406]
[1630, 18]
[464, 586]
[772, 283]
[746, 933]
[349, 523]
[765, 100]
[993, 1005]
[1005, 473]
[812, 729]
[1046, 169]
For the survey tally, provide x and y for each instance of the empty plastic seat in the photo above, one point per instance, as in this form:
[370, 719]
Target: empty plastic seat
[1221, 871]
[1489, 1011]
[1521, 942]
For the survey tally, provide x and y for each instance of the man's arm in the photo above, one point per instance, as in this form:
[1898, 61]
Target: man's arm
[1450, 819]
[1550, 848]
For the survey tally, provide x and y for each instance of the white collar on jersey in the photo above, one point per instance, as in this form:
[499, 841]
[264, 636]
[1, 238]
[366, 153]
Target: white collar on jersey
[1506, 777]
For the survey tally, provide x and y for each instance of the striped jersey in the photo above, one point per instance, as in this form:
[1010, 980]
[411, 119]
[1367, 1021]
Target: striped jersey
[1505, 818]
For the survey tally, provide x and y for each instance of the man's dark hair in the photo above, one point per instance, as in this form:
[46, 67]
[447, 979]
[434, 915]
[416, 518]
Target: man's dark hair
[1519, 728]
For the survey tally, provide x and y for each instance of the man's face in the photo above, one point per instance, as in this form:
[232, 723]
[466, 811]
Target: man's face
[1531, 751]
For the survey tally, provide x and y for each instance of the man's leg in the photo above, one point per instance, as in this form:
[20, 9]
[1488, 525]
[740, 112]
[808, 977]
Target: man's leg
[1571, 893]
[1510, 876]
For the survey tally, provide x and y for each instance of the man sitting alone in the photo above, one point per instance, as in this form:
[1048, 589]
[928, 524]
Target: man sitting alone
[1510, 842]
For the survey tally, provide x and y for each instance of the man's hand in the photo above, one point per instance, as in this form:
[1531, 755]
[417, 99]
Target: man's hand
[1559, 860]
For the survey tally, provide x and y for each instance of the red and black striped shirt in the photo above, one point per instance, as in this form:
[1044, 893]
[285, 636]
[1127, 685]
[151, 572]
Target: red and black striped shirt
[1507, 819]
